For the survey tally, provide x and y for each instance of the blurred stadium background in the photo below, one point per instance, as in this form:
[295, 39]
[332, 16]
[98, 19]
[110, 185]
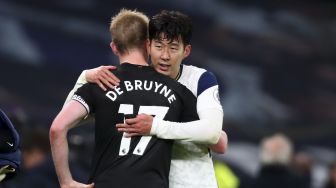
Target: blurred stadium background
[275, 62]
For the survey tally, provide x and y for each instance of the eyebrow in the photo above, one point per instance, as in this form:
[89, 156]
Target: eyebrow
[173, 43]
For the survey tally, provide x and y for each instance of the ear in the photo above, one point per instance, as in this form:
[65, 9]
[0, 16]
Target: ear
[187, 51]
[148, 45]
[114, 48]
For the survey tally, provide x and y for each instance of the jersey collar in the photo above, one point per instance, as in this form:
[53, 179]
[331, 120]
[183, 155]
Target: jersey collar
[179, 73]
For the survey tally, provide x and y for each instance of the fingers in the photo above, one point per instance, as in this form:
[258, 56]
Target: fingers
[140, 125]
[87, 185]
[130, 130]
[109, 75]
[76, 184]
[104, 77]
[101, 85]
[132, 121]
[126, 128]
[128, 135]
[110, 67]
[141, 118]
[107, 81]
[91, 185]
[121, 125]
[145, 117]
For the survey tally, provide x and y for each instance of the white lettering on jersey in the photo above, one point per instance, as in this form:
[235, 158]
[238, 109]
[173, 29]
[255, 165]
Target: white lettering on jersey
[111, 95]
[165, 90]
[128, 85]
[147, 88]
[171, 98]
[142, 85]
[137, 84]
[157, 86]
[114, 94]
[117, 89]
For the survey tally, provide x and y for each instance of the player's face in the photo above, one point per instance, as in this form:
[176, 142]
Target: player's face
[167, 56]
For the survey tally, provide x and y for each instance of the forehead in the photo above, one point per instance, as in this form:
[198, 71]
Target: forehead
[163, 38]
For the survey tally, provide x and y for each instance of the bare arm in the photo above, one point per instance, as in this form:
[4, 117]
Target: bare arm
[69, 116]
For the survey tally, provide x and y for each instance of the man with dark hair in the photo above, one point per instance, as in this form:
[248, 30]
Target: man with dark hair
[118, 160]
[170, 36]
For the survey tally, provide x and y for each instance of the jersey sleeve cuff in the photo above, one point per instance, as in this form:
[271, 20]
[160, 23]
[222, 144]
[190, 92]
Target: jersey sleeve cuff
[155, 124]
[81, 100]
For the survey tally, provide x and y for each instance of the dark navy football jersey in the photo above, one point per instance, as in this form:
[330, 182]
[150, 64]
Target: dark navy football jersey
[141, 161]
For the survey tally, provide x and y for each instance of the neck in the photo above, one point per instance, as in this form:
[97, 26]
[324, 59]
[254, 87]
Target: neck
[135, 57]
[177, 75]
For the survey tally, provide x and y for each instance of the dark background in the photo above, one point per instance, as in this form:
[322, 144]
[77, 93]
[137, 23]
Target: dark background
[275, 61]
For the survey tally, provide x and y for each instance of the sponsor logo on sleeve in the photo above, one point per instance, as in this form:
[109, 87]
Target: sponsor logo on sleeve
[79, 99]
[216, 95]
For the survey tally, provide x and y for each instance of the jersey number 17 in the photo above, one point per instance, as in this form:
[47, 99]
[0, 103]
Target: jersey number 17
[127, 109]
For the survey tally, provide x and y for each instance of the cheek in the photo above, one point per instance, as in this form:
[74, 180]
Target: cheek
[154, 54]
[177, 59]
[154, 60]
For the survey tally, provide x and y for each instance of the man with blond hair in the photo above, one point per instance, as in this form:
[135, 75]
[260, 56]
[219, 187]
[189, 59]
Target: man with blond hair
[119, 160]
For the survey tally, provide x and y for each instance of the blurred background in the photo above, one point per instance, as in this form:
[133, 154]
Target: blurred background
[275, 62]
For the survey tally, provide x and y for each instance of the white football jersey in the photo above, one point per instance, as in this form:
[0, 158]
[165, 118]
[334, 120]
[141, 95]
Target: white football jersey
[191, 164]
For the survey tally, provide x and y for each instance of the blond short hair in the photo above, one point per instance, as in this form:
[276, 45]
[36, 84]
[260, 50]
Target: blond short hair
[129, 30]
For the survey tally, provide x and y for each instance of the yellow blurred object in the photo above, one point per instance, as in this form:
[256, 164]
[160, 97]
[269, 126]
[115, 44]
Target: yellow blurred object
[2, 176]
[4, 170]
[224, 175]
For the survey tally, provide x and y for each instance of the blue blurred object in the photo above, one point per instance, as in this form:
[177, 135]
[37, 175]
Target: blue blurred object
[10, 153]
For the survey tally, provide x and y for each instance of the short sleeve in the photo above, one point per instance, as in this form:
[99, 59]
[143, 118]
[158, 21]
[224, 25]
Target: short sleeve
[84, 95]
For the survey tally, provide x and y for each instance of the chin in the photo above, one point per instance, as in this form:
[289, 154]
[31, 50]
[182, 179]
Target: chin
[165, 73]
[162, 72]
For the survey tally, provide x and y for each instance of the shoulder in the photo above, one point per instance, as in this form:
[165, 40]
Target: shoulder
[197, 79]
[173, 83]
[86, 87]
[206, 81]
[190, 70]
[201, 73]
[89, 90]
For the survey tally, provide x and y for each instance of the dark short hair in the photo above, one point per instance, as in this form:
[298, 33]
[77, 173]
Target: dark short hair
[172, 24]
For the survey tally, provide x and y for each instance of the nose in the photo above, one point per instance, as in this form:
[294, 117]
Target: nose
[165, 55]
